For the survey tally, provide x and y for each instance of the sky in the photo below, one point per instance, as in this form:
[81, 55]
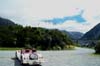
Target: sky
[69, 15]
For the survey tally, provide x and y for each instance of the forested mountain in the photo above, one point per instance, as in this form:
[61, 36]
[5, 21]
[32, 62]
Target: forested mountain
[93, 34]
[93, 38]
[6, 22]
[12, 35]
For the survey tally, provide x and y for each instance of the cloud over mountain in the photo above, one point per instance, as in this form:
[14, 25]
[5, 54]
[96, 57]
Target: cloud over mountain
[60, 14]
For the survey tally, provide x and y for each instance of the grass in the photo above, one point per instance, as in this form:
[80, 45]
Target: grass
[67, 47]
[9, 48]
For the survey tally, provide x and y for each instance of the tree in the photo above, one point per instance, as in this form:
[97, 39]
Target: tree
[41, 38]
[97, 48]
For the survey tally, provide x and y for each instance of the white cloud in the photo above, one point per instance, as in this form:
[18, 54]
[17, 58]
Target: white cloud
[74, 26]
[29, 12]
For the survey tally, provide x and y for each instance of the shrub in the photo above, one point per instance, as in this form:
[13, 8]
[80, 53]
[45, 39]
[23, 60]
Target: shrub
[97, 48]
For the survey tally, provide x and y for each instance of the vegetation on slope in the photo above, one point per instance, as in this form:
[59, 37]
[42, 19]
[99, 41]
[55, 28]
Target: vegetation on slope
[40, 38]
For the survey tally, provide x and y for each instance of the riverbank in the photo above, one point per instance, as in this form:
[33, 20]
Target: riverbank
[69, 47]
[9, 48]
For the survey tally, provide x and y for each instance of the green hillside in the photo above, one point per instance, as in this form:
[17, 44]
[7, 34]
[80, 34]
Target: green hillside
[40, 38]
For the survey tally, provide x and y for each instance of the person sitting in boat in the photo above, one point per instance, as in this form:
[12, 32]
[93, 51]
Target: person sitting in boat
[34, 55]
[34, 50]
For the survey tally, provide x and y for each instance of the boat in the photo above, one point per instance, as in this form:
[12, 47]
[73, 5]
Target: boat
[29, 56]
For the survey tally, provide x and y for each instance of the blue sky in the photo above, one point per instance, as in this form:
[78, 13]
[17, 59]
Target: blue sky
[78, 18]
[70, 15]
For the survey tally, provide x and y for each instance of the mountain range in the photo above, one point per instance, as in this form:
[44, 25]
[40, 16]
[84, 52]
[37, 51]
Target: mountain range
[74, 35]
[93, 34]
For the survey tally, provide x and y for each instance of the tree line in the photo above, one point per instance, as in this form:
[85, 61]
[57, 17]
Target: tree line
[40, 38]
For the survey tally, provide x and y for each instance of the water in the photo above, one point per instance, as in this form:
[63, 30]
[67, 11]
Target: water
[78, 57]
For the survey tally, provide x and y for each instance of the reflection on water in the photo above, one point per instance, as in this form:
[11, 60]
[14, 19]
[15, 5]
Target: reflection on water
[78, 57]
[17, 63]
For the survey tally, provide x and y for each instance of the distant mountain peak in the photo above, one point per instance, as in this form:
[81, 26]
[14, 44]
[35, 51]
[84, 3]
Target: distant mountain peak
[93, 34]
[6, 22]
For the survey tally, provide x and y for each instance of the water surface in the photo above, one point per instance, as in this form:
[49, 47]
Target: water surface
[78, 57]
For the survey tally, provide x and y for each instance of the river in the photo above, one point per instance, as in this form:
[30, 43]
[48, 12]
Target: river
[77, 57]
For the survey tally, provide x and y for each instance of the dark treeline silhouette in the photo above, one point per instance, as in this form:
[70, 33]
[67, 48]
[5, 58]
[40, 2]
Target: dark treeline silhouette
[41, 38]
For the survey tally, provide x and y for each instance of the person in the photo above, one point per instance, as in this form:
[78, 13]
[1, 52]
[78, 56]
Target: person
[26, 50]
[34, 55]
[34, 50]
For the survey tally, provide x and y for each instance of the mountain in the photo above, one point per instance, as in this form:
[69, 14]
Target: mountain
[93, 34]
[6, 22]
[74, 35]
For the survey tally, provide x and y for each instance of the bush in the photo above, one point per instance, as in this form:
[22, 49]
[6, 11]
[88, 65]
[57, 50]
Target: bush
[97, 48]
